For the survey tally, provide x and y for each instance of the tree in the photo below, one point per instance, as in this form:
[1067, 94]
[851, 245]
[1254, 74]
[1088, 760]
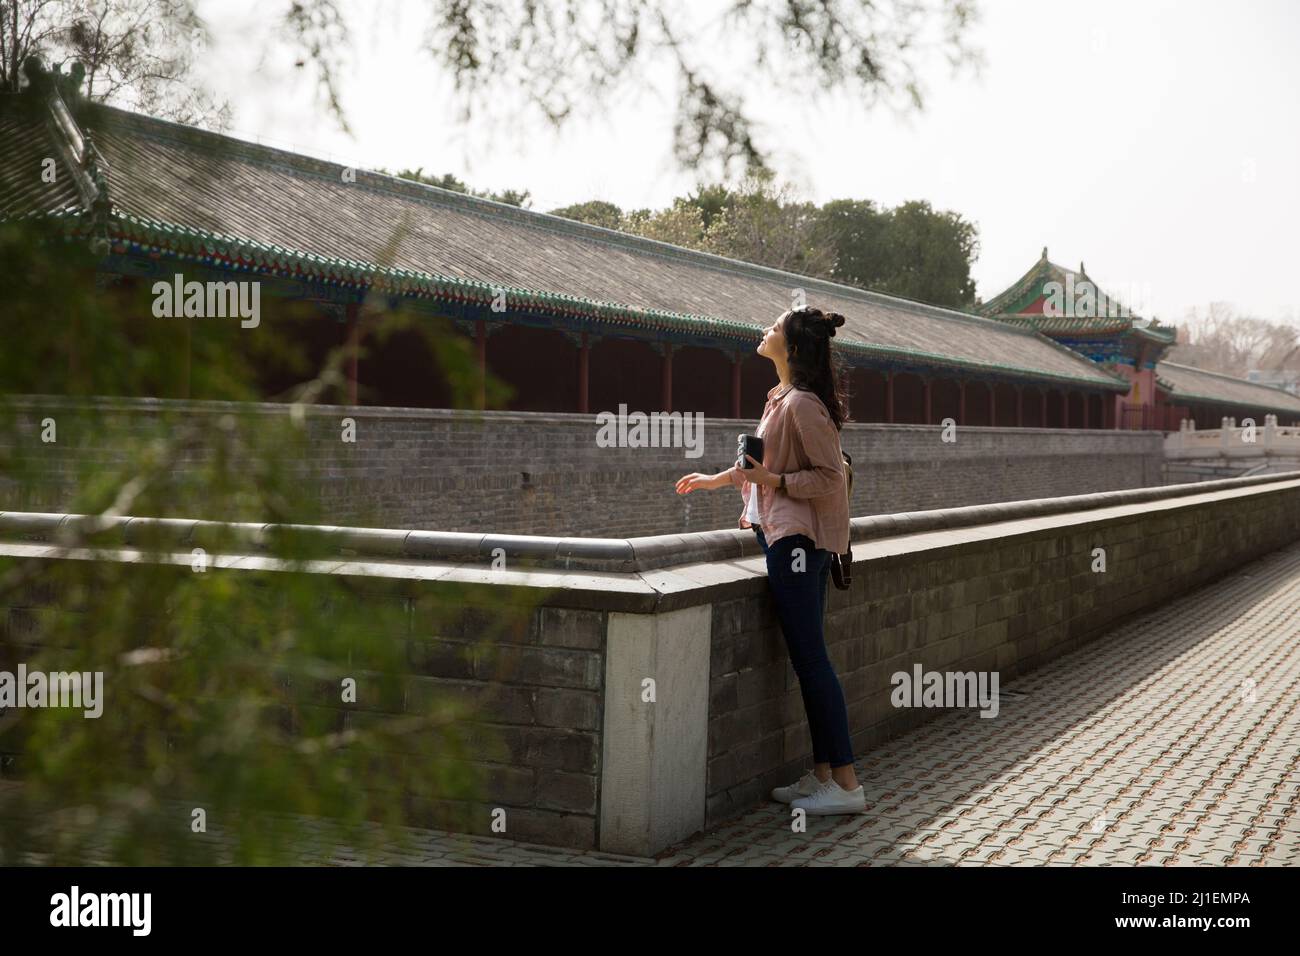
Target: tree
[712, 201]
[135, 53]
[1220, 340]
[26, 29]
[596, 212]
[758, 222]
[857, 230]
[572, 56]
[911, 251]
[681, 224]
[765, 224]
[928, 255]
[511, 197]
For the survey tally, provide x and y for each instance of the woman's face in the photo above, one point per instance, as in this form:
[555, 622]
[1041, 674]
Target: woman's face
[773, 344]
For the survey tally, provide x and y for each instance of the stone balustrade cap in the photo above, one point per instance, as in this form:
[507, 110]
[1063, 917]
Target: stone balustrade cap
[625, 555]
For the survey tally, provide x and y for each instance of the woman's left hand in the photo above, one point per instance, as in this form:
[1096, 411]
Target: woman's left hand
[759, 474]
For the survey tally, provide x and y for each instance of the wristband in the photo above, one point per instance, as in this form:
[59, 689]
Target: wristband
[782, 486]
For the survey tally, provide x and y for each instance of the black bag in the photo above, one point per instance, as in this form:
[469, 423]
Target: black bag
[842, 564]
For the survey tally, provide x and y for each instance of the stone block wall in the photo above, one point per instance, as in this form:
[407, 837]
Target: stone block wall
[533, 679]
[543, 473]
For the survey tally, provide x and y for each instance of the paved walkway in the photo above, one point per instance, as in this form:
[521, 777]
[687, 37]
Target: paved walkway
[1173, 740]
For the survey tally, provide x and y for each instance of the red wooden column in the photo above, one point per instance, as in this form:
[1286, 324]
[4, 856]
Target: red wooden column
[928, 405]
[961, 401]
[584, 375]
[889, 397]
[993, 403]
[1042, 394]
[735, 386]
[480, 347]
[354, 346]
[1020, 406]
[1085, 409]
[1065, 409]
[666, 393]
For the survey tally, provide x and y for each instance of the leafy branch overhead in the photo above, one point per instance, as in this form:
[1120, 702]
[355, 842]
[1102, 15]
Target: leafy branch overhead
[569, 57]
[513, 61]
[139, 54]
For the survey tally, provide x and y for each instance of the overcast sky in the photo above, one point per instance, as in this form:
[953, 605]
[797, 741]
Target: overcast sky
[1158, 142]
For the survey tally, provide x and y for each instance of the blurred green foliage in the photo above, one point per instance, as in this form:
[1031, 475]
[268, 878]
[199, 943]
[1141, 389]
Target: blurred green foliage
[224, 689]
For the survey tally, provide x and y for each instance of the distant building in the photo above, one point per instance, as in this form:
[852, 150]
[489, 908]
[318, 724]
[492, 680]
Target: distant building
[1070, 308]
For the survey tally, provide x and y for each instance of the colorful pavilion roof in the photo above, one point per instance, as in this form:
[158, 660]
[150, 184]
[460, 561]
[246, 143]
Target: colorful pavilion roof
[1031, 300]
[1186, 384]
[206, 197]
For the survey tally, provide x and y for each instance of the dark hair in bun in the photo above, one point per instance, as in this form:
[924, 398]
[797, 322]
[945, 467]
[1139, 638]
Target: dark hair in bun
[813, 365]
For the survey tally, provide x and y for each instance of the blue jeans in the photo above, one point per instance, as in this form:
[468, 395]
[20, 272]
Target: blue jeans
[801, 604]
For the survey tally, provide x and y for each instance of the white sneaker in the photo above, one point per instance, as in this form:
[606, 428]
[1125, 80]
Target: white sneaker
[806, 787]
[829, 798]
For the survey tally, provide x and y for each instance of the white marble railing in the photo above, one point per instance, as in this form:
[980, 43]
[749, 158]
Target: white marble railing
[1249, 439]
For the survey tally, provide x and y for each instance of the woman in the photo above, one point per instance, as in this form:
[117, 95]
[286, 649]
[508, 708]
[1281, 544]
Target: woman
[796, 504]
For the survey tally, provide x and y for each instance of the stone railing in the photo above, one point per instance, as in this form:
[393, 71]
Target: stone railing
[626, 555]
[1248, 440]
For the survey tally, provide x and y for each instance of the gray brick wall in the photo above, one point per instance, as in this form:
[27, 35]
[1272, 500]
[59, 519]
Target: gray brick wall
[541, 473]
[534, 683]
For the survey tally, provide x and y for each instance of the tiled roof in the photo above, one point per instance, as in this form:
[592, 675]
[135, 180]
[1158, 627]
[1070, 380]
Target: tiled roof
[1021, 304]
[24, 149]
[178, 189]
[1193, 384]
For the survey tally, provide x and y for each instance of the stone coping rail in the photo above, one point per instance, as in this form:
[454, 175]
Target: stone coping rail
[626, 555]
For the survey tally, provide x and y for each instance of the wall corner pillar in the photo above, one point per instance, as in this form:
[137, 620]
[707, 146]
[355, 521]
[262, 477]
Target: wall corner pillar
[654, 760]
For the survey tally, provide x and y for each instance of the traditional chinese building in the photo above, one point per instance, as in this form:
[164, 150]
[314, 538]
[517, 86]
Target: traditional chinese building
[586, 318]
[1071, 309]
[593, 317]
